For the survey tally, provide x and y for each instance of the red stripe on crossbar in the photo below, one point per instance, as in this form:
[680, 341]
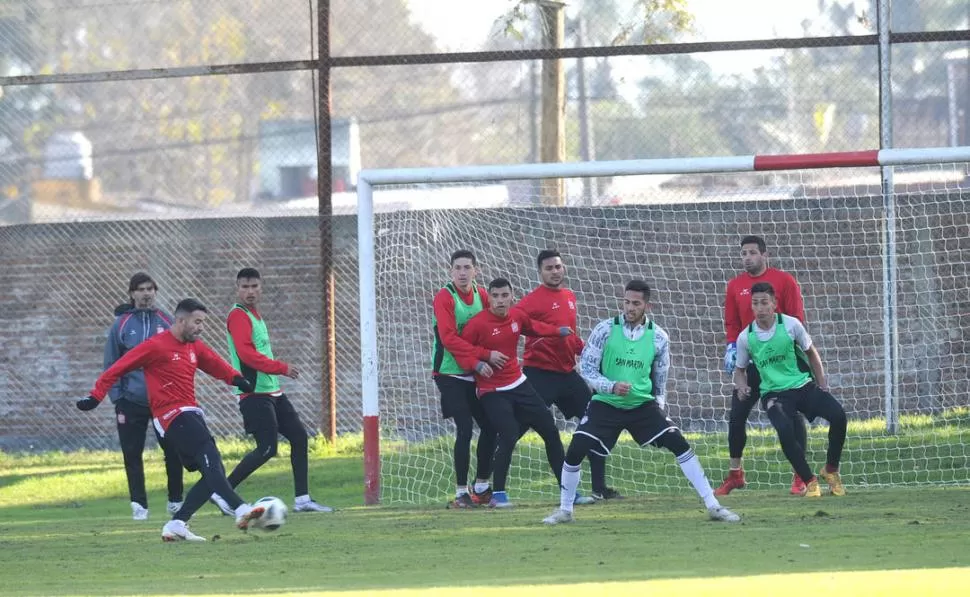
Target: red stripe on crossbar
[843, 159]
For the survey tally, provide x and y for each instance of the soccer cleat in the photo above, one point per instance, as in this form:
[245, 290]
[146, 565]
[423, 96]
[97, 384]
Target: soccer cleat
[583, 500]
[176, 530]
[311, 506]
[174, 507]
[722, 514]
[797, 485]
[734, 480]
[462, 502]
[222, 504]
[500, 499]
[608, 494]
[138, 512]
[834, 481]
[558, 517]
[482, 498]
[812, 490]
[246, 514]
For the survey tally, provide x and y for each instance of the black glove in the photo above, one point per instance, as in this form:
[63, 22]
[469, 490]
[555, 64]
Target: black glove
[242, 383]
[88, 403]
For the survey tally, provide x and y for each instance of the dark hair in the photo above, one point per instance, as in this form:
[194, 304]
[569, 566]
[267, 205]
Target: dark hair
[499, 283]
[764, 287]
[247, 273]
[137, 280]
[463, 254]
[189, 305]
[638, 286]
[755, 240]
[546, 254]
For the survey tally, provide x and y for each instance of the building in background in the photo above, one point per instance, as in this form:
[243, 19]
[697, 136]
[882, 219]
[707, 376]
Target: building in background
[288, 158]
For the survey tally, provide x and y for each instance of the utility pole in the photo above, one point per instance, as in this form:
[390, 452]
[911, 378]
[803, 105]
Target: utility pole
[553, 133]
[587, 146]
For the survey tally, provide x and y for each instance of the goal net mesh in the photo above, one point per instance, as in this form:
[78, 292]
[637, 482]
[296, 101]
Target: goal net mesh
[681, 233]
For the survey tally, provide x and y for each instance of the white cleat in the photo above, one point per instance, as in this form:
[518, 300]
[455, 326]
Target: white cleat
[177, 530]
[722, 514]
[583, 500]
[246, 514]
[558, 517]
[138, 512]
[174, 507]
[222, 504]
[311, 506]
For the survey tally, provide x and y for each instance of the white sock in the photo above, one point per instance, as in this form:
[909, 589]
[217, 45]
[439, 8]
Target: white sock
[481, 486]
[243, 509]
[691, 465]
[302, 499]
[460, 491]
[570, 481]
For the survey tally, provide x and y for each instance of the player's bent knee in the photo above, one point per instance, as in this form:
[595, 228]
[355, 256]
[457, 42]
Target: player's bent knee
[674, 441]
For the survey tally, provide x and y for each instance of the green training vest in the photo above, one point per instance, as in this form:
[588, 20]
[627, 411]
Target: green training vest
[629, 361]
[265, 383]
[776, 359]
[442, 361]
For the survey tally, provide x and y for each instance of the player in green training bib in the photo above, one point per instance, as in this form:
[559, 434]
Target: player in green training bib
[266, 411]
[771, 344]
[454, 305]
[626, 361]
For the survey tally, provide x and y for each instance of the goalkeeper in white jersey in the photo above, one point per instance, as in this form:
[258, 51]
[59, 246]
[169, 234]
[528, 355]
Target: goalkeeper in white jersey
[626, 361]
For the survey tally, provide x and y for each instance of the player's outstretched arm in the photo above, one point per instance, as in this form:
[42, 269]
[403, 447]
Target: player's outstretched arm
[536, 328]
[217, 367]
[136, 358]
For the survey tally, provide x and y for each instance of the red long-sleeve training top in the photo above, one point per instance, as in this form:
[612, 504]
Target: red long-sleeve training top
[491, 332]
[169, 365]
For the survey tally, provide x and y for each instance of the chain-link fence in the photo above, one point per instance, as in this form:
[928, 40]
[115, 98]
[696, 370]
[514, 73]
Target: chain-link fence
[180, 137]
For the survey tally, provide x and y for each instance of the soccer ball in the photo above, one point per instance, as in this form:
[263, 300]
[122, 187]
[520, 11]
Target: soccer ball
[274, 516]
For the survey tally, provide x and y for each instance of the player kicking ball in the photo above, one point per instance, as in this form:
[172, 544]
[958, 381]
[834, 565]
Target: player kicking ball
[626, 361]
[170, 360]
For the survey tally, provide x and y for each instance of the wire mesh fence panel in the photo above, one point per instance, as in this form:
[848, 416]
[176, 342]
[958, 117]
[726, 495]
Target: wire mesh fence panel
[192, 177]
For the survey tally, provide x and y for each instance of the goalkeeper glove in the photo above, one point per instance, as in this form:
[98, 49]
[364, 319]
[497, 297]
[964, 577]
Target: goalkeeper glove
[88, 403]
[730, 357]
[243, 384]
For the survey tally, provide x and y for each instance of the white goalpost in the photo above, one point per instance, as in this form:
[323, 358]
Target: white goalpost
[884, 274]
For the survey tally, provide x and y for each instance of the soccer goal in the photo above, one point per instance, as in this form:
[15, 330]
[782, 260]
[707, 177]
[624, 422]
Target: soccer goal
[878, 241]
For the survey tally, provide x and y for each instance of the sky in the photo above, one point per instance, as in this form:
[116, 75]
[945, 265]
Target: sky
[464, 24]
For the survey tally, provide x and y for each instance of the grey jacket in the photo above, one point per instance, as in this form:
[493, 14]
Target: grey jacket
[131, 328]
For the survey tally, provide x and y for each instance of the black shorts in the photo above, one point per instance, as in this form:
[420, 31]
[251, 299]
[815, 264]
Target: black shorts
[262, 412]
[603, 423]
[521, 404]
[806, 400]
[458, 398]
[187, 435]
[568, 391]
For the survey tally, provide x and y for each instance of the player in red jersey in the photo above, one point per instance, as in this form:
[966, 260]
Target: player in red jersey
[170, 360]
[550, 363]
[738, 314]
[508, 398]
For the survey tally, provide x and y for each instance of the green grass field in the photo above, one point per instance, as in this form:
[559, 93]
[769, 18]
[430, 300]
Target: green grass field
[65, 529]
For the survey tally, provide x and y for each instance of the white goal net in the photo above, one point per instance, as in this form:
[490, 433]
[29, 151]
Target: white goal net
[830, 228]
